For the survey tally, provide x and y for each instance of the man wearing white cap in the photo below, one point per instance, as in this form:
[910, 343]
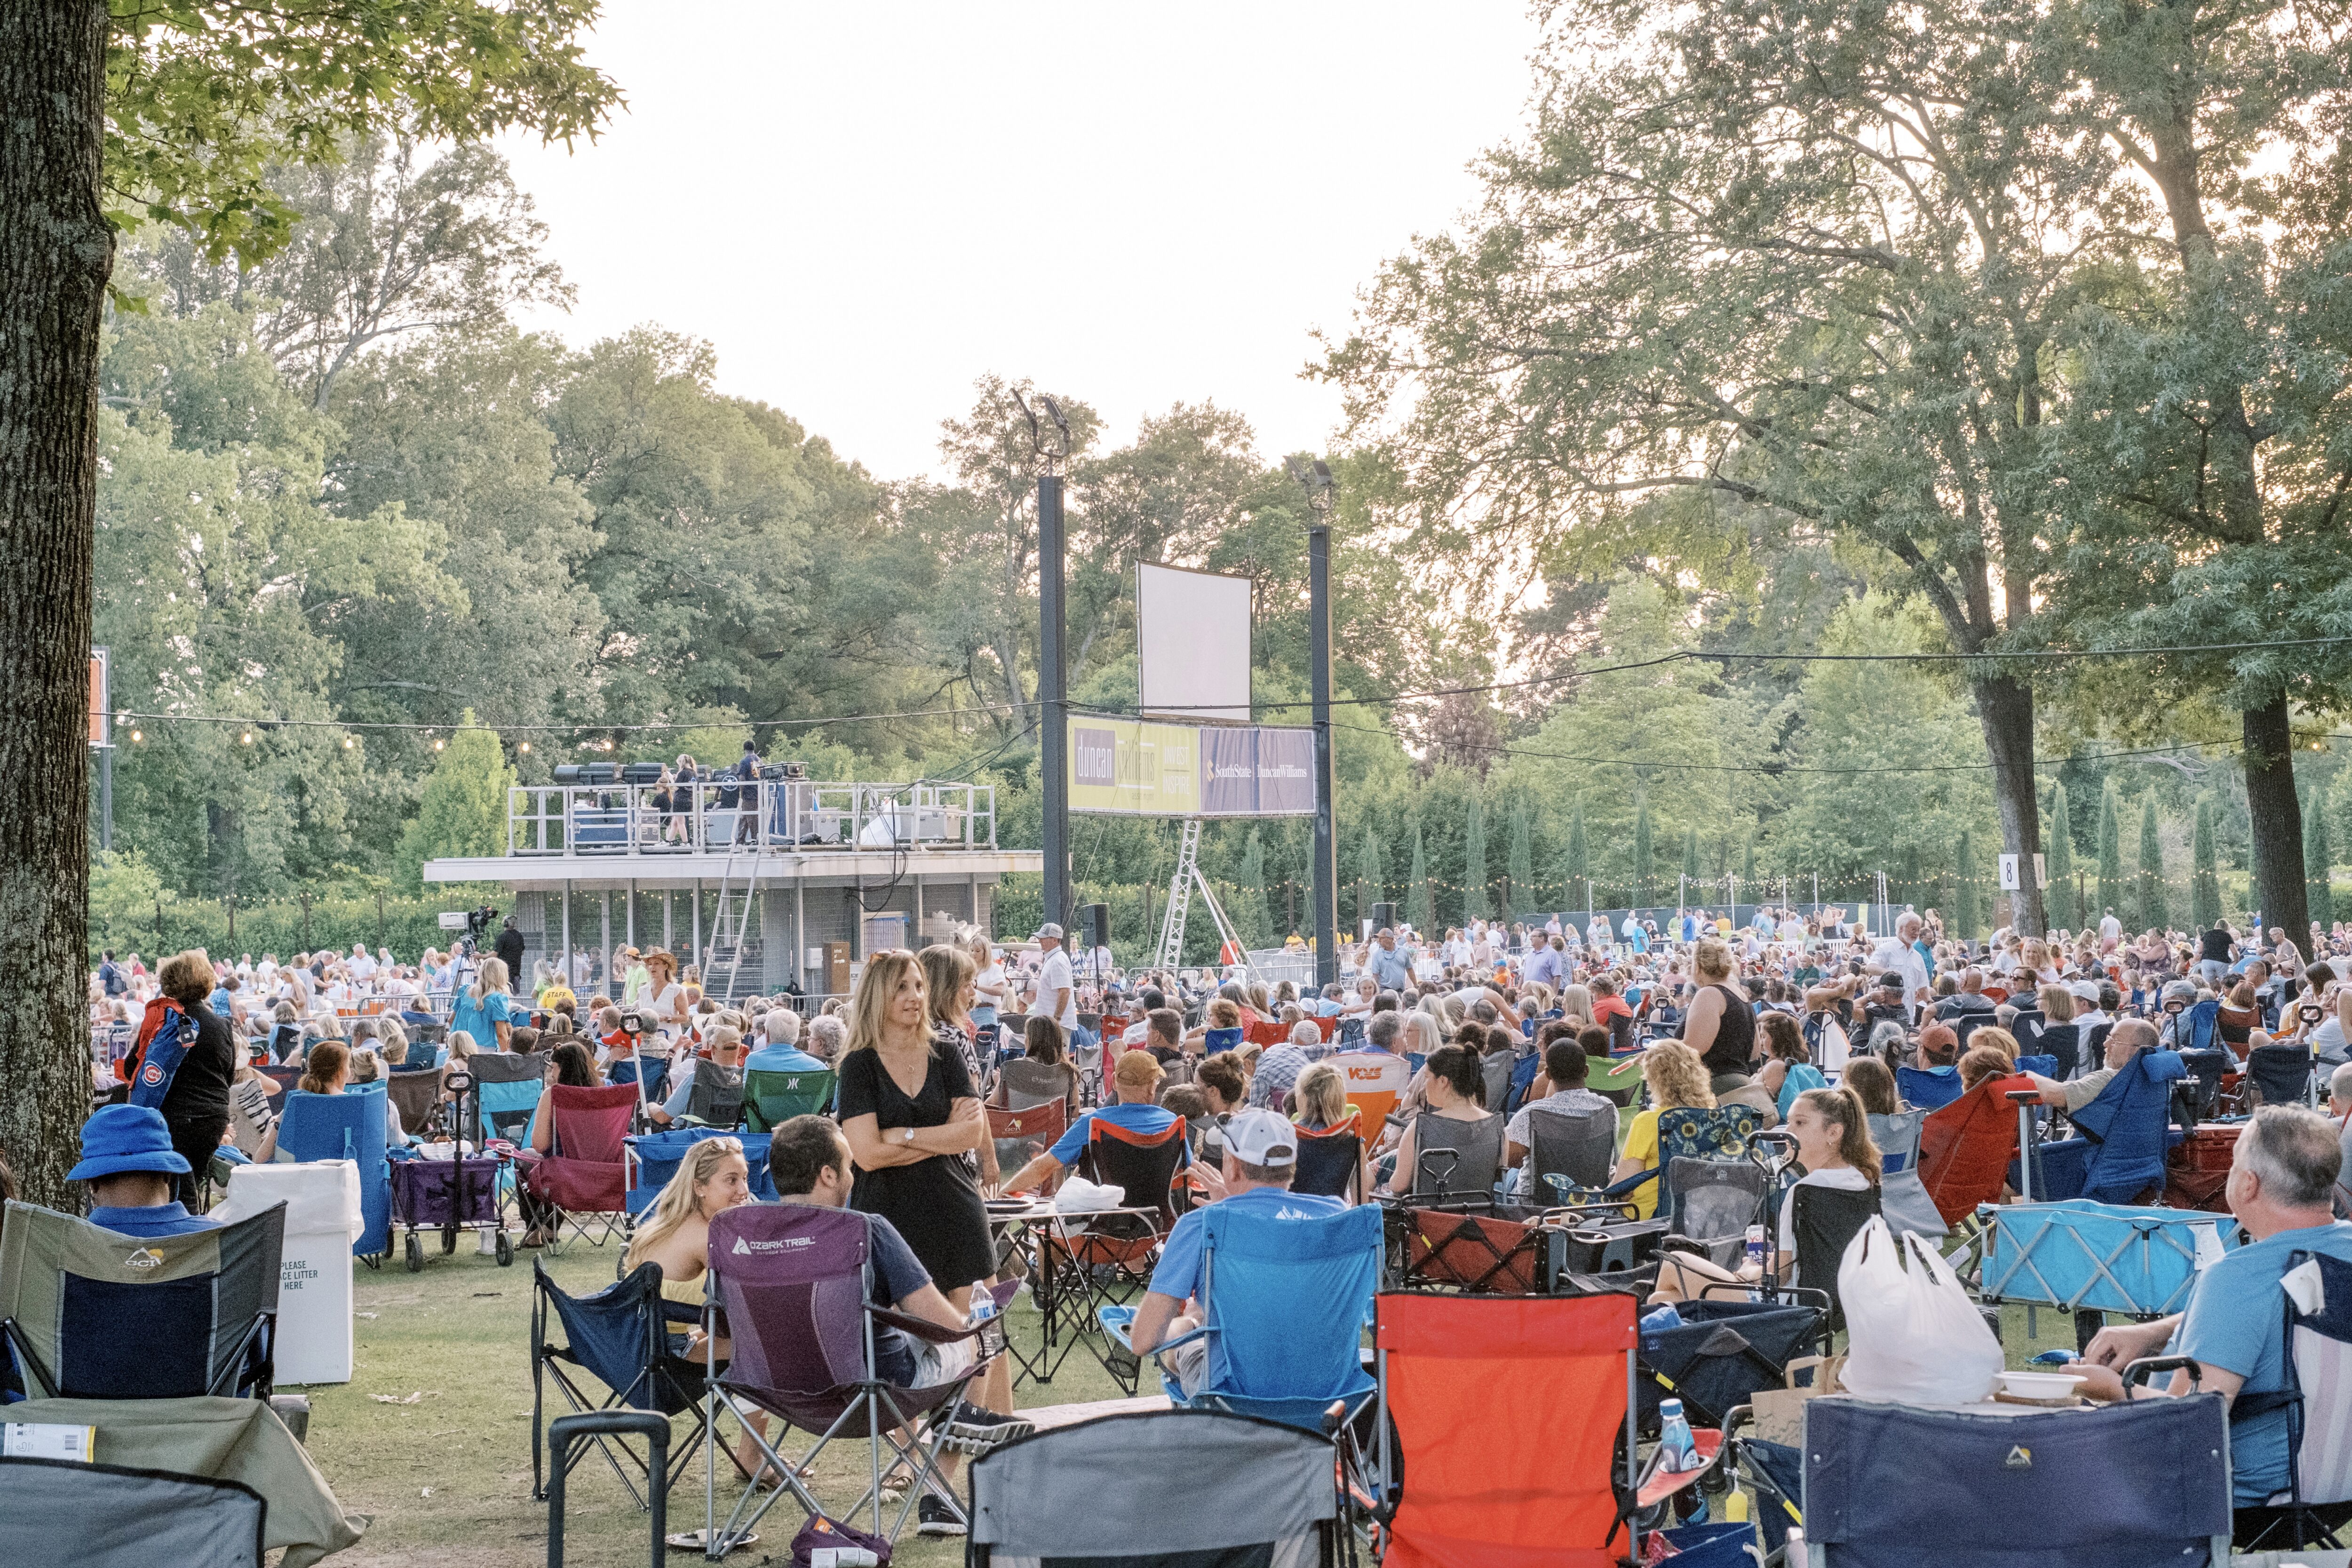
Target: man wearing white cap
[1260, 1156]
[1058, 994]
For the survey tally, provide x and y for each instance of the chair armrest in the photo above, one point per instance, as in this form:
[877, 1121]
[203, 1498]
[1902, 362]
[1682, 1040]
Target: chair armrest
[2148, 1366]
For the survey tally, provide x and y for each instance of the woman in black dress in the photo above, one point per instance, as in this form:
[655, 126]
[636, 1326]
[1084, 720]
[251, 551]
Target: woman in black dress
[915, 1125]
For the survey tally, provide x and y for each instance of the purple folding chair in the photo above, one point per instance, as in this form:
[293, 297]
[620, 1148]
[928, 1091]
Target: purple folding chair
[793, 1286]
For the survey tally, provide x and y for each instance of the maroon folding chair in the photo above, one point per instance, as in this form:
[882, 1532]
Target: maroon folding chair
[795, 1290]
[585, 1180]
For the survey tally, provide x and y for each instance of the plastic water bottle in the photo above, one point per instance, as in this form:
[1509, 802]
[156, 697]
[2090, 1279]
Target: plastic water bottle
[984, 1307]
[1758, 1249]
[1675, 1440]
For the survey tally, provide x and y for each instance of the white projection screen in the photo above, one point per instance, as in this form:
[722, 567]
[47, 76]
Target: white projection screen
[1193, 643]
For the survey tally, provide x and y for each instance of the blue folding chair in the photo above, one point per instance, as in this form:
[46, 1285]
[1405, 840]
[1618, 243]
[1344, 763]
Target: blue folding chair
[1930, 1089]
[2124, 1133]
[2204, 1019]
[655, 1158]
[1283, 1304]
[346, 1126]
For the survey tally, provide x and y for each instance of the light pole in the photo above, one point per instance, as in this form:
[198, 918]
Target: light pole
[1324, 886]
[1052, 447]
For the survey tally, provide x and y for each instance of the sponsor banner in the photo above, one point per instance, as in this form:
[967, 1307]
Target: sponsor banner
[1136, 768]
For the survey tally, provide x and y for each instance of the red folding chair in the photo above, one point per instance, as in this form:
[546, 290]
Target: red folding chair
[1555, 1373]
[1104, 1259]
[1966, 1147]
[585, 1179]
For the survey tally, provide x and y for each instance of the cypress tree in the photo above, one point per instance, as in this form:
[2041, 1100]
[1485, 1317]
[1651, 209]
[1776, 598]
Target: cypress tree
[1579, 869]
[2111, 859]
[2318, 855]
[2204, 876]
[1419, 913]
[1965, 918]
[1372, 875]
[1690, 856]
[1477, 903]
[2059, 901]
[1254, 918]
[1519, 869]
[1748, 865]
[1642, 846]
[2154, 907]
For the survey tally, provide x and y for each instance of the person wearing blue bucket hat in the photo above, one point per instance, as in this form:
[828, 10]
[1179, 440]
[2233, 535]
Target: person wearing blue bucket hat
[129, 1161]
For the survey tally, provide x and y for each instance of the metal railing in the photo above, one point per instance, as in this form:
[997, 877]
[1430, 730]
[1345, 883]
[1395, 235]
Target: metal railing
[705, 817]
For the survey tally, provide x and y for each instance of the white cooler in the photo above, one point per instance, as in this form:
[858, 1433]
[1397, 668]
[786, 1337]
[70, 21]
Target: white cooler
[314, 1280]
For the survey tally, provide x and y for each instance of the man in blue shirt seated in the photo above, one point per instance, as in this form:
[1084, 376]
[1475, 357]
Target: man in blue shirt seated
[1261, 1156]
[2281, 1181]
[1136, 1080]
[782, 1052]
[129, 1161]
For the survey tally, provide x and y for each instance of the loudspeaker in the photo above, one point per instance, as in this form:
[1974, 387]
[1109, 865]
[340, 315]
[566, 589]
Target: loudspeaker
[641, 773]
[1094, 921]
[1383, 915]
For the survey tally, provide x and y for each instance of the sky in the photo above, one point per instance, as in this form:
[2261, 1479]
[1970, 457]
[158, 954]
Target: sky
[866, 207]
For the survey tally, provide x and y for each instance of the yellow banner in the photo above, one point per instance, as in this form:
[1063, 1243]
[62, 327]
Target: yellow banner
[1132, 768]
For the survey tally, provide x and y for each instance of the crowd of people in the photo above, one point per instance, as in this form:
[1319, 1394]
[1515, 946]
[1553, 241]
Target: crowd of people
[1799, 1015]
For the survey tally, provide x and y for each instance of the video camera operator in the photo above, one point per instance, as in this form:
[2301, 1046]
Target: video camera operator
[510, 949]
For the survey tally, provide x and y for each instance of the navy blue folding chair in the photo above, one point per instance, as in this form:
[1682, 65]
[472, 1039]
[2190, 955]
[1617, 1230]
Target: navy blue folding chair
[2124, 1133]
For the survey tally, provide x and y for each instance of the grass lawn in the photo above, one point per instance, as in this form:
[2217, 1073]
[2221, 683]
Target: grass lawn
[447, 1479]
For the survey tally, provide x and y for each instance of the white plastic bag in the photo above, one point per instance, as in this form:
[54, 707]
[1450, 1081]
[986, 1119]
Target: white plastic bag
[1915, 1335]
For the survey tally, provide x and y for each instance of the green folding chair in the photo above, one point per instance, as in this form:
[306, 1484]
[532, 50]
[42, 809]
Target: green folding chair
[773, 1099]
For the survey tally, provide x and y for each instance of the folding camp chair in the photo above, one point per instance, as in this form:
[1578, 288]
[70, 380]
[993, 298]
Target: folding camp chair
[1215, 1040]
[1033, 1086]
[1283, 1304]
[2280, 1075]
[346, 1126]
[2317, 1302]
[1902, 1196]
[1251, 1491]
[1331, 1160]
[585, 1179]
[619, 1336]
[773, 1099]
[108, 1516]
[1712, 1203]
[1103, 1259]
[417, 1097]
[2206, 1070]
[653, 1158]
[508, 1088]
[1823, 1220]
[1457, 1164]
[1928, 1089]
[1965, 1149]
[2120, 1154]
[2137, 1482]
[795, 1283]
[1619, 1082]
[1376, 1083]
[89, 1313]
[1555, 1373]
[1578, 1147]
[1022, 1135]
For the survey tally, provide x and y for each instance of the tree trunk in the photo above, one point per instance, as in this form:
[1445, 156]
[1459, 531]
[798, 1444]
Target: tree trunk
[2277, 821]
[2005, 708]
[56, 251]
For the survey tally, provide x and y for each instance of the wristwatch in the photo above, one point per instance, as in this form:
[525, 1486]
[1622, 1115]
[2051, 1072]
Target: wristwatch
[906, 1135]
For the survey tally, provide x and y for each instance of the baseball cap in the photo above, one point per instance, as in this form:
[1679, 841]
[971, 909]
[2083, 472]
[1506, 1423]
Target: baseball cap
[119, 1138]
[1048, 928]
[1940, 1041]
[1262, 1138]
[2087, 990]
[1138, 1067]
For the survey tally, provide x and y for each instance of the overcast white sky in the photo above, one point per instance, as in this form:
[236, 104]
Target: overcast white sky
[866, 207]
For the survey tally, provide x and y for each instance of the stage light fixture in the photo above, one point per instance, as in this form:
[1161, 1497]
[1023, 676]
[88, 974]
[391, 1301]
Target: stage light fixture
[246, 738]
[137, 736]
[524, 747]
[439, 744]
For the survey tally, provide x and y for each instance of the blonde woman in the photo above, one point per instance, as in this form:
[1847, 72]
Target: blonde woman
[484, 1010]
[1576, 1005]
[914, 1123]
[1677, 1080]
[675, 1236]
[1318, 1101]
